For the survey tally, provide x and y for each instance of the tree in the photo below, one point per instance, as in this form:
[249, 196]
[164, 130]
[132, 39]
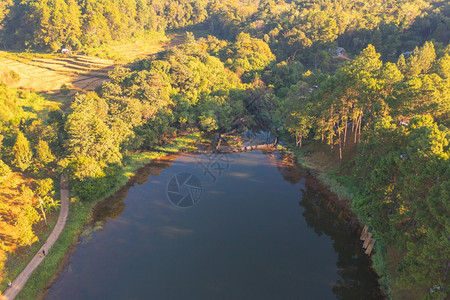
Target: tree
[28, 216]
[208, 121]
[5, 171]
[50, 24]
[443, 66]
[22, 152]
[44, 192]
[249, 54]
[43, 153]
[89, 131]
[406, 190]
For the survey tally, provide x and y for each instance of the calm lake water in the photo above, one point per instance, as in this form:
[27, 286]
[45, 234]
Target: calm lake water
[247, 226]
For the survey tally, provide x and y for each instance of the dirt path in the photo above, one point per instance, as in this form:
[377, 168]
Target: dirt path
[20, 280]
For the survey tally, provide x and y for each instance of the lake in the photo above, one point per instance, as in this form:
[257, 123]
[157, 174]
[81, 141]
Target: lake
[235, 226]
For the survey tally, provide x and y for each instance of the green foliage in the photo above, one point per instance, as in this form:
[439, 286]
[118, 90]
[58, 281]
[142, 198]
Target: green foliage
[45, 24]
[24, 223]
[55, 24]
[44, 187]
[360, 97]
[248, 55]
[43, 153]
[407, 187]
[91, 133]
[421, 60]
[65, 90]
[95, 187]
[22, 152]
[208, 122]
[282, 76]
[5, 171]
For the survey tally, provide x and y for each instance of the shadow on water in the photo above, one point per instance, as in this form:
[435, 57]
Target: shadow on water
[113, 206]
[328, 215]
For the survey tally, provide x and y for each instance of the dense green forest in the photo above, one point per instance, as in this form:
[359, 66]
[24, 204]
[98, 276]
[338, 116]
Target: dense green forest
[373, 74]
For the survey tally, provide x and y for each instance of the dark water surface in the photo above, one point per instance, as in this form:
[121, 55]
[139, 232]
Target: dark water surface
[257, 228]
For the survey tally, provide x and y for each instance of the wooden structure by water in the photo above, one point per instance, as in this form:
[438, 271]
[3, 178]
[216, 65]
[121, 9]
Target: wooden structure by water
[366, 236]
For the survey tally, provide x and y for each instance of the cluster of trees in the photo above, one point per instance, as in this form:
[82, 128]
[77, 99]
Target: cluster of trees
[367, 89]
[28, 145]
[405, 170]
[399, 113]
[307, 28]
[54, 24]
[141, 107]
[271, 63]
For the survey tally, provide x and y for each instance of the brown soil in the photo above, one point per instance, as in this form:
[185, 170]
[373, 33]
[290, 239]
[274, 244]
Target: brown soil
[320, 156]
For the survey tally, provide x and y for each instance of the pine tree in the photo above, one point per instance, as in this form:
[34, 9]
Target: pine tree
[24, 225]
[43, 153]
[22, 152]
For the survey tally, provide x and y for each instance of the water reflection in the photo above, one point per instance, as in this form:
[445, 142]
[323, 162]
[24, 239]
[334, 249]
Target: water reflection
[113, 206]
[245, 239]
[328, 215]
[322, 211]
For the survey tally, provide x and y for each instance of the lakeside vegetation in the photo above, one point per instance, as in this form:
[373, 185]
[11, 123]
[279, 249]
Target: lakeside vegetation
[381, 105]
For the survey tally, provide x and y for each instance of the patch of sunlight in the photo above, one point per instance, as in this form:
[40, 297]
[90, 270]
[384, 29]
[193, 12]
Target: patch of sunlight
[239, 174]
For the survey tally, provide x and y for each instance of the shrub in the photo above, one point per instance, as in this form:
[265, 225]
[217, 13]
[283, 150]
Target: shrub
[65, 90]
[5, 171]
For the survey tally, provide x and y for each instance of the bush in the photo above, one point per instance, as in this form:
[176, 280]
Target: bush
[14, 75]
[91, 188]
[65, 90]
[5, 171]
[9, 77]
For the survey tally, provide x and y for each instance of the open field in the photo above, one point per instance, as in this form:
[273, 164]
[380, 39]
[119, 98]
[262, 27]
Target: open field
[130, 51]
[46, 73]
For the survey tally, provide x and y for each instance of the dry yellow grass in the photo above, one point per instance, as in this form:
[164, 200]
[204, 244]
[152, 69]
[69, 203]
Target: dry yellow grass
[47, 75]
[80, 73]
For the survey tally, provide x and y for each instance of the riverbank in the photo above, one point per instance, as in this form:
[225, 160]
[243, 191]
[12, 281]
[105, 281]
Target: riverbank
[80, 212]
[324, 165]
[260, 195]
[325, 168]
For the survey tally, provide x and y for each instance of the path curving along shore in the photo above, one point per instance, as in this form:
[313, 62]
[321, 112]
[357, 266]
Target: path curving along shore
[20, 281]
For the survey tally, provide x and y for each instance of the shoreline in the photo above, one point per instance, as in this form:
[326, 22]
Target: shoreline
[80, 214]
[344, 193]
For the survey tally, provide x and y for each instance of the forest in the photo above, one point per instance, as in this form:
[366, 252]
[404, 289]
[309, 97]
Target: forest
[369, 75]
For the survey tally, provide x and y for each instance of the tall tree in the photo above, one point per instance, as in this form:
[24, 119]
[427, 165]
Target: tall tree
[43, 153]
[22, 152]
